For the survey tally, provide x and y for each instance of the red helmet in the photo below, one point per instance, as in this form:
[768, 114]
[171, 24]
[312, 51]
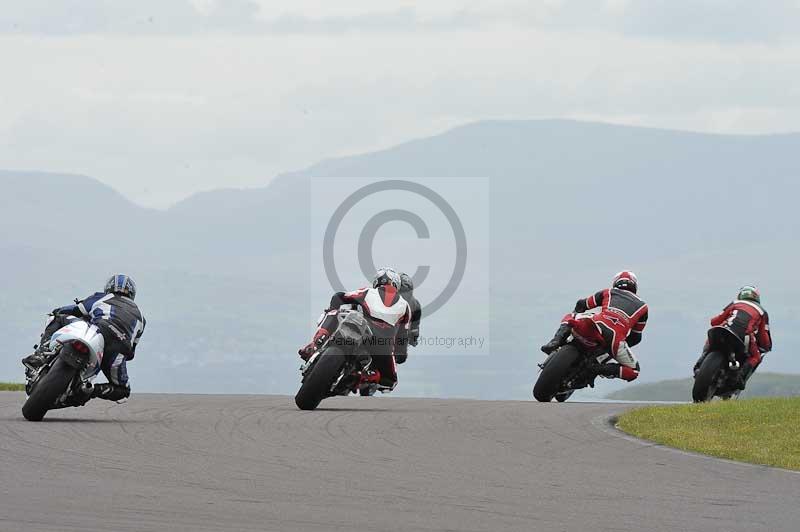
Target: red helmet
[626, 280]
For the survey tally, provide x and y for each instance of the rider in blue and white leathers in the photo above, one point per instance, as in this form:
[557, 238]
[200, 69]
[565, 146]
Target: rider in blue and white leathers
[121, 323]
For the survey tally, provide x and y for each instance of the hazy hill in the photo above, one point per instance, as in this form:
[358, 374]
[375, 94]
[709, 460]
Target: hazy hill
[761, 385]
[225, 275]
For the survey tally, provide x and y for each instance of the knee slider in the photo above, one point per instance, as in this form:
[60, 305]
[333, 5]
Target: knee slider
[123, 392]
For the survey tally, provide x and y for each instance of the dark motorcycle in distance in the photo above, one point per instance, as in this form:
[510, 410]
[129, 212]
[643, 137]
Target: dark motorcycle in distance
[573, 367]
[720, 369]
[339, 364]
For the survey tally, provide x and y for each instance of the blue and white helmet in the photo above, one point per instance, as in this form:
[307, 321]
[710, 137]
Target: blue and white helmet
[121, 285]
[386, 277]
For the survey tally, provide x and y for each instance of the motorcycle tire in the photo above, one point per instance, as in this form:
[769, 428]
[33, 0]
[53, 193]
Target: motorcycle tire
[46, 391]
[705, 382]
[555, 371]
[317, 385]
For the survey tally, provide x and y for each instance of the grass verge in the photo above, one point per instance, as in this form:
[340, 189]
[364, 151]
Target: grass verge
[11, 387]
[759, 431]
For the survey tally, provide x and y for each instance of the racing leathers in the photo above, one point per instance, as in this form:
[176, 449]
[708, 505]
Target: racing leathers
[121, 323]
[416, 317]
[612, 318]
[750, 323]
[389, 317]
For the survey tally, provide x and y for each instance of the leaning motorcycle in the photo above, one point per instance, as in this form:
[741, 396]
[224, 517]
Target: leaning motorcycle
[718, 374]
[573, 366]
[72, 360]
[339, 364]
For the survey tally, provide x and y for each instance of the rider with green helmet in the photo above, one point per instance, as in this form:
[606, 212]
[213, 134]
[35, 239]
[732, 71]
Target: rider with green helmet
[747, 319]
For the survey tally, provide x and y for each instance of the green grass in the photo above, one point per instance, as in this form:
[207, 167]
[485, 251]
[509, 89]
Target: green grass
[761, 385]
[759, 431]
[11, 387]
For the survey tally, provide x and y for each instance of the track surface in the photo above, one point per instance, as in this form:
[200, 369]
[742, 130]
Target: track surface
[198, 463]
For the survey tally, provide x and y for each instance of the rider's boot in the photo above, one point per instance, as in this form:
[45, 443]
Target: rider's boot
[558, 340]
[41, 352]
[386, 383]
[35, 360]
[697, 364]
[80, 396]
[369, 382]
[110, 392]
[701, 359]
[320, 337]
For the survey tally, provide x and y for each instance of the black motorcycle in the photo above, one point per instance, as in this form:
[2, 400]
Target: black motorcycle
[339, 364]
[574, 366]
[720, 370]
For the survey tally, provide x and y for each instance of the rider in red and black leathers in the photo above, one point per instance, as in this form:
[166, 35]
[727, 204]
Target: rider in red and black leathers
[618, 325]
[389, 317]
[747, 319]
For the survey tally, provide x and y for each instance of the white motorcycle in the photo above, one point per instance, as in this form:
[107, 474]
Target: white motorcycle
[72, 361]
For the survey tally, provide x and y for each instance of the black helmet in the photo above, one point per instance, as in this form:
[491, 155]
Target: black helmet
[121, 285]
[406, 283]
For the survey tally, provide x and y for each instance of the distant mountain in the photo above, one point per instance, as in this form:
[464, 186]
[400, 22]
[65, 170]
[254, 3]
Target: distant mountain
[225, 276]
[761, 385]
[35, 204]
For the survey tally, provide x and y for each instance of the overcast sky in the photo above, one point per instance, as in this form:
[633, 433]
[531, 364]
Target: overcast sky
[162, 98]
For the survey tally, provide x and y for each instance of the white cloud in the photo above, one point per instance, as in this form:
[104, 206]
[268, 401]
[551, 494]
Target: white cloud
[700, 20]
[162, 115]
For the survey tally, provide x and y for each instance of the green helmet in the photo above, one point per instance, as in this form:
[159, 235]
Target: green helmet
[749, 293]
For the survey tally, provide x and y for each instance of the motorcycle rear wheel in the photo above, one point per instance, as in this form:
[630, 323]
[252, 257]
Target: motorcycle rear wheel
[555, 371]
[561, 397]
[317, 385]
[50, 388]
[705, 382]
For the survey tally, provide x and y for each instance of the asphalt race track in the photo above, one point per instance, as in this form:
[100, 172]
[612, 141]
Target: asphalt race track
[241, 463]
